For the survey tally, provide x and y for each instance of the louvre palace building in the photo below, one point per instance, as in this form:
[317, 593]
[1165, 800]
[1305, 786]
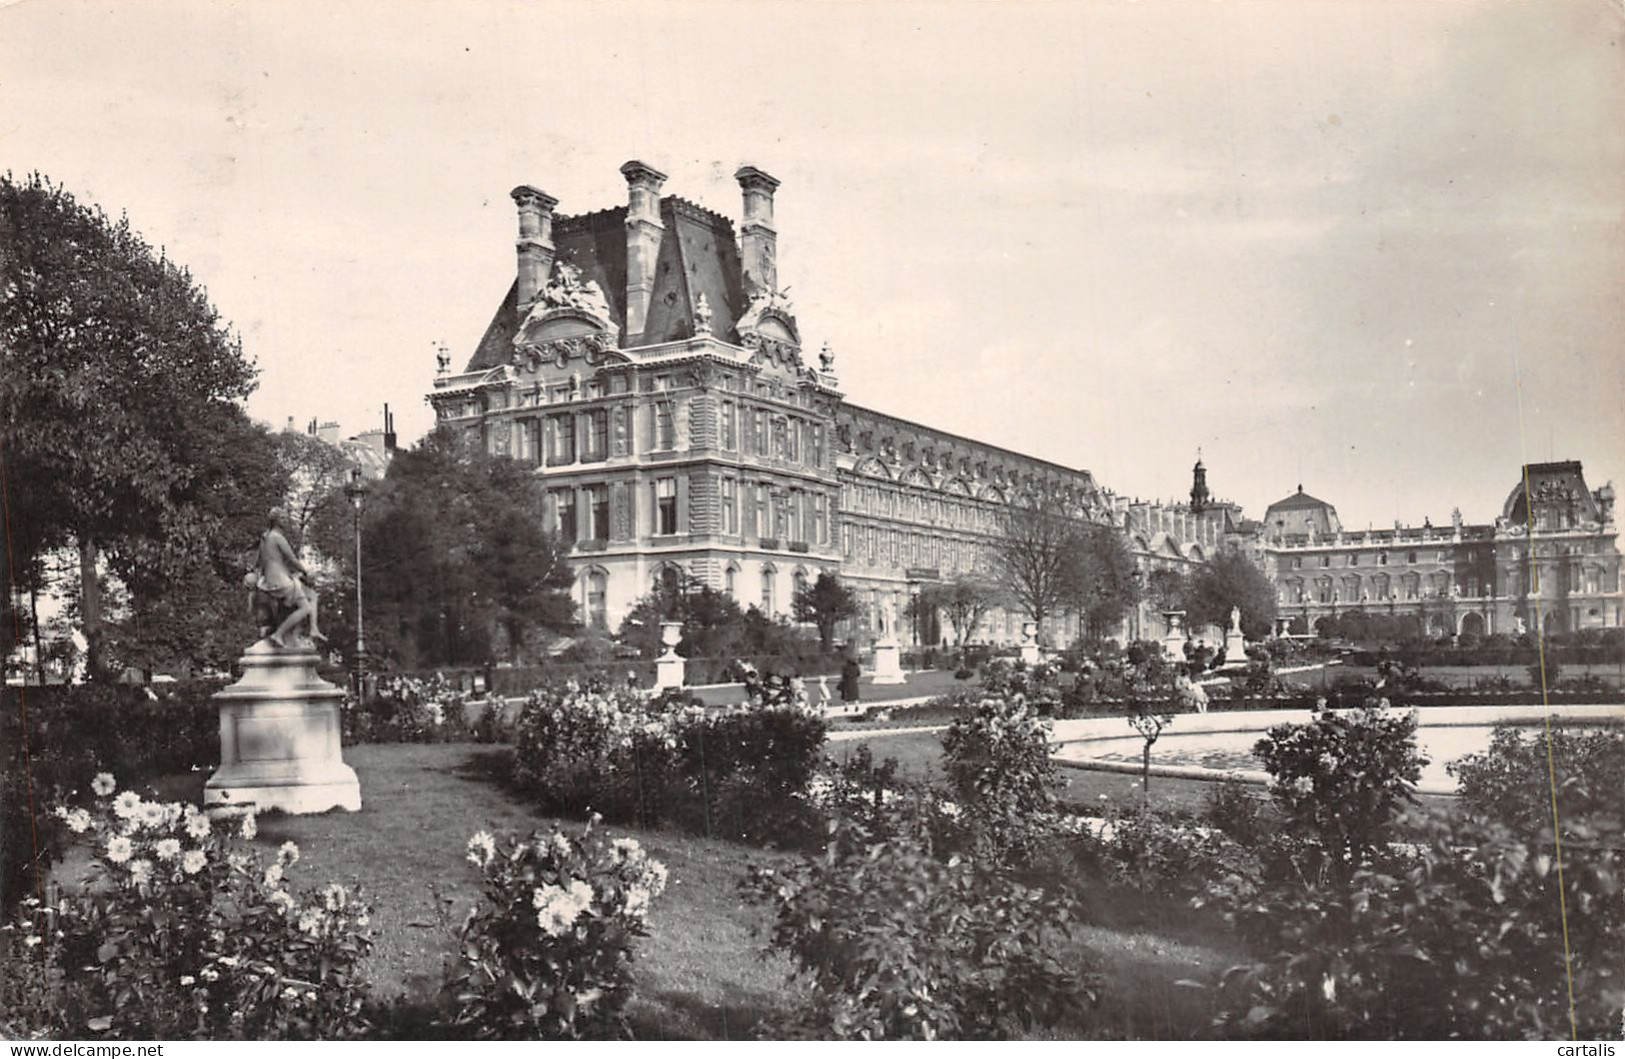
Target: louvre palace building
[648, 363]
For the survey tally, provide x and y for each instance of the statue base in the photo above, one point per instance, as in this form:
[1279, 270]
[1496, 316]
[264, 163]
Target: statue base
[888, 664]
[1029, 654]
[1235, 647]
[279, 737]
[1173, 647]
[670, 672]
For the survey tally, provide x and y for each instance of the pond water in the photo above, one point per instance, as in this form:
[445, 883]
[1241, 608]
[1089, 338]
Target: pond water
[1233, 751]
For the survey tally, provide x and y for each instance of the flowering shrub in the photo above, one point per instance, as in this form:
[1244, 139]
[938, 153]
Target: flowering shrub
[897, 943]
[998, 762]
[1038, 683]
[1460, 939]
[549, 953]
[1511, 781]
[740, 773]
[1342, 778]
[183, 932]
[417, 710]
[1162, 853]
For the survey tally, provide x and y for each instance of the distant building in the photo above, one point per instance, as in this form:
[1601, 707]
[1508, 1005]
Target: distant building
[1459, 578]
[648, 363]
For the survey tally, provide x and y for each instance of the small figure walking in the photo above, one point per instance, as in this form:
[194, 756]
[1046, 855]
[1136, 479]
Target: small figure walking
[850, 672]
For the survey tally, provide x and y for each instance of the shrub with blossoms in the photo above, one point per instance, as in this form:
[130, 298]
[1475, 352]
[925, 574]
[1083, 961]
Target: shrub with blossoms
[183, 931]
[738, 772]
[998, 762]
[416, 710]
[548, 952]
[1341, 779]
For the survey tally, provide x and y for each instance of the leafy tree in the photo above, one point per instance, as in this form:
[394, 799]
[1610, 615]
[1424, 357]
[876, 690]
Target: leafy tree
[1166, 589]
[1228, 580]
[1105, 582]
[454, 552]
[966, 600]
[824, 603]
[117, 373]
[713, 624]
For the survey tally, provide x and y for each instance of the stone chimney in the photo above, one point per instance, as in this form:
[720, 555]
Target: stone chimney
[535, 245]
[643, 234]
[758, 239]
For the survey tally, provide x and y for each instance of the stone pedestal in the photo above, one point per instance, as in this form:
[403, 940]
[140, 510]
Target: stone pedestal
[1173, 644]
[670, 668]
[1029, 643]
[279, 737]
[888, 663]
[1235, 646]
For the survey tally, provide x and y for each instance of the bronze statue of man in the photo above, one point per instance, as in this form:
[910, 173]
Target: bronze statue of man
[281, 578]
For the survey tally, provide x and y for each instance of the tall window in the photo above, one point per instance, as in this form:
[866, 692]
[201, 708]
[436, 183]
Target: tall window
[730, 581]
[769, 575]
[730, 425]
[759, 435]
[598, 506]
[818, 445]
[764, 527]
[561, 439]
[666, 506]
[665, 430]
[597, 434]
[730, 505]
[597, 595]
[567, 515]
[529, 439]
[820, 518]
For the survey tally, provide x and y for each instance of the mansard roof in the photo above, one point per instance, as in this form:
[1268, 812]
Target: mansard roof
[698, 255]
[1560, 484]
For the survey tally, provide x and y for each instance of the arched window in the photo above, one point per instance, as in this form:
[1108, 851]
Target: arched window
[770, 576]
[730, 580]
[799, 580]
[597, 607]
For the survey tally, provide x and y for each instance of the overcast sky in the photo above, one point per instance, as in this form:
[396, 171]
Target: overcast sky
[1326, 242]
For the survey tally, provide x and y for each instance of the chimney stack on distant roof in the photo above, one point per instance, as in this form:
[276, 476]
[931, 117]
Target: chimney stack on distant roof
[758, 239]
[535, 244]
[643, 234]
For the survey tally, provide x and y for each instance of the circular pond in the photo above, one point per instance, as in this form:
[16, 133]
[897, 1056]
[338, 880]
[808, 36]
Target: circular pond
[1211, 746]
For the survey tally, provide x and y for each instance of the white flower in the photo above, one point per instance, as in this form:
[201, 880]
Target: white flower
[362, 920]
[228, 961]
[281, 899]
[334, 897]
[949, 809]
[250, 827]
[187, 979]
[654, 877]
[168, 848]
[481, 848]
[561, 845]
[126, 805]
[273, 875]
[626, 849]
[637, 901]
[209, 974]
[1328, 988]
[1303, 785]
[103, 784]
[197, 826]
[153, 815]
[119, 849]
[311, 922]
[78, 821]
[288, 854]
[193, 862]
[140, 871]
[290, 993]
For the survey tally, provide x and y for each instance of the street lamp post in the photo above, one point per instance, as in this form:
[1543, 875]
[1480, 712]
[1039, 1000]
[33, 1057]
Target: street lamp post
[356, 492]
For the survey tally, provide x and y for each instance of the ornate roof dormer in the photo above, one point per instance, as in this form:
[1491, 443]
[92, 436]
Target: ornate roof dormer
[768, 329]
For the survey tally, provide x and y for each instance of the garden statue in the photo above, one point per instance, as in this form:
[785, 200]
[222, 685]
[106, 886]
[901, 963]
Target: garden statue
[1235, 619]
[279, 587]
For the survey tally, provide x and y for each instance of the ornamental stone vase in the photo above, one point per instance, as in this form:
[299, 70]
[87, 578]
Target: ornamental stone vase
[279, 737]
[670, 668]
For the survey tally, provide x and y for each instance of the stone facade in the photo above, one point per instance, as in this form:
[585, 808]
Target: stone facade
[1461, 578]
[647, 363]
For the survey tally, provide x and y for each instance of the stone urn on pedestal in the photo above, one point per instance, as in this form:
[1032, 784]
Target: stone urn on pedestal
[888, 655]
[1029, 643]
[670, 668]
[279, 737]
[1173, 643]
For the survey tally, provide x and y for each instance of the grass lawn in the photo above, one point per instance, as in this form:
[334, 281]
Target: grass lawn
[700, 973]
